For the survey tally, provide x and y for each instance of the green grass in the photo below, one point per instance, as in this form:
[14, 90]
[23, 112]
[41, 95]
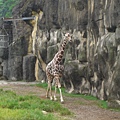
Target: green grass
[100, 103]
[16, 107]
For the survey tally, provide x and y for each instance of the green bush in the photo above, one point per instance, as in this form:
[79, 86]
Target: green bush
[6, 7]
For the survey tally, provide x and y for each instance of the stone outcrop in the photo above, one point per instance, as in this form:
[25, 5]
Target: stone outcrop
[91, 61]
[29, 67]
[103, 26]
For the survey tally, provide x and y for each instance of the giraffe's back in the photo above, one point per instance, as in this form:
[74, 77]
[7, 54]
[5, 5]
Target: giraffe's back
[54, 69]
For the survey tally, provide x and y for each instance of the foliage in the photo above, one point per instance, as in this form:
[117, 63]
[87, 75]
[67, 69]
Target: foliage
[16, 107]
[6, 7]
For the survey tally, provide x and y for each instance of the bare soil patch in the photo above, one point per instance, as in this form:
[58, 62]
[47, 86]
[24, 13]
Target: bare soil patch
[86, 111]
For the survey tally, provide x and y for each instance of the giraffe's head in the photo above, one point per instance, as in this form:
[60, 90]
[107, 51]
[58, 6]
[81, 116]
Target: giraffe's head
[68, 37]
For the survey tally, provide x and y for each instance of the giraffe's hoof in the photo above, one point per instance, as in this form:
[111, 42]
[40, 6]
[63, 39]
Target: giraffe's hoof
[62, 101]
[47, 97]
[55, 99]
[51, 98]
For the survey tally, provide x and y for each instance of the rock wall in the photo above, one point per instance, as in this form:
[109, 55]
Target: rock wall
[91, 61]
[103, 49]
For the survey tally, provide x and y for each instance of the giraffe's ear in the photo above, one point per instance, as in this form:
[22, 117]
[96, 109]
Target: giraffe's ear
[67, 35]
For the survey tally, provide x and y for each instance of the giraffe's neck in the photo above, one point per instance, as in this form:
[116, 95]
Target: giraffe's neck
[59, 55]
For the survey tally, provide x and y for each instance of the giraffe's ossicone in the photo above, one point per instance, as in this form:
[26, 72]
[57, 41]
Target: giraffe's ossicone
[54, 69]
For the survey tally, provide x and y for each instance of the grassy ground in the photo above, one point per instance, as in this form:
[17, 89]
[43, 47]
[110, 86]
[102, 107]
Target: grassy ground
[29, 106]
[100, 103]
[16, 107]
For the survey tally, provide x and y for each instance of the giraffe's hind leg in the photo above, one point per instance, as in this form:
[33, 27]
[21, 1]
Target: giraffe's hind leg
[49, 88]
[55, 98]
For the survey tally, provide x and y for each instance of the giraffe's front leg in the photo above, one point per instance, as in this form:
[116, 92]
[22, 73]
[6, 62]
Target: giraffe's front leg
[59, 86]
[61, 97]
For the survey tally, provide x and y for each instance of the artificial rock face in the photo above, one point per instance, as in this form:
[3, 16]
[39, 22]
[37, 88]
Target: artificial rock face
[91, 61]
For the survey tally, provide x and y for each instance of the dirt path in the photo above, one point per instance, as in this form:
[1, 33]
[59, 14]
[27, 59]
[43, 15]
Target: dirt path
[86, 111]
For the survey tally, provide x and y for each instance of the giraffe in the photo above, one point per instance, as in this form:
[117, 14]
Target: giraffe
[54, 69]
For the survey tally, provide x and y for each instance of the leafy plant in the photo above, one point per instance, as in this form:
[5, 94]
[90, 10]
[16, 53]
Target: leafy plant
[6, 7]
